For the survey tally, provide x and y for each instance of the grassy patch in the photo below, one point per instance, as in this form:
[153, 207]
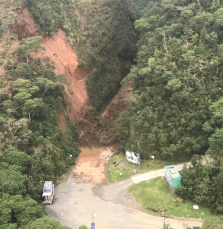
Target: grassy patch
[152, 195]
[149, 165]
[113, 174]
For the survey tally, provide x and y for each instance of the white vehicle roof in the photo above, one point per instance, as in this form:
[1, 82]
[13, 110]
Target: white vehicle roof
[47, 187]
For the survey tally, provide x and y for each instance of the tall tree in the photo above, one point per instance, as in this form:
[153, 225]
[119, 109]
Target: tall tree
[30, 44]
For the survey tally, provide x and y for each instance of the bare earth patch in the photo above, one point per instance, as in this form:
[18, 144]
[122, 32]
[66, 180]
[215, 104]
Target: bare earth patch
[25, 25]
[92, 163]
[65, 60]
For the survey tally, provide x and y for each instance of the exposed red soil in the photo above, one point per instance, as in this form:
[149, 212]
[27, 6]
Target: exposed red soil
[94, 131]
[25, 25]
[117, 105]
[65, 61]
[97, 131]
[91, 164]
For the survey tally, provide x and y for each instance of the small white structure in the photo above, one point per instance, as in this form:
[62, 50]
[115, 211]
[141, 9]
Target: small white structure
[132, 157]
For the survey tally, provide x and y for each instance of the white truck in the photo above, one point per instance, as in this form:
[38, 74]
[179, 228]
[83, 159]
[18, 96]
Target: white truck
[48, 192]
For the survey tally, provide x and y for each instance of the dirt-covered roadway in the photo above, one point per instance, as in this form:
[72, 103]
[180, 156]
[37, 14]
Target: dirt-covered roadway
[86, 191]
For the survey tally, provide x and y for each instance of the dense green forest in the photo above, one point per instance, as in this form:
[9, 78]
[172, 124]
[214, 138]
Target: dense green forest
[178, 77]
[203, 184]
[102, 34]
[174, 112]
[141, 4]
[176, 107]
[32, 147]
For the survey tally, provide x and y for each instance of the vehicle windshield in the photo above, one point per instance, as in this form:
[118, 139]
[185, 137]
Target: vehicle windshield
[46, 190]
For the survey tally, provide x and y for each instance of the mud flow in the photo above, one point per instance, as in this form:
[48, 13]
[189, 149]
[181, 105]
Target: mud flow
[92, 163]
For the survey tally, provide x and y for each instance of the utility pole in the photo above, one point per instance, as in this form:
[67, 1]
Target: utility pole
[164, 225]
[164, 215]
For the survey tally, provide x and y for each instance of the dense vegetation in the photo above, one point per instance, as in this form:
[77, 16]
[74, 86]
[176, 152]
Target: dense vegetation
[32, 147]
[176, 107]
[108, 46]
[52, 15]
[203, 184]
[141, 4]
[102, 35]
[177, 78]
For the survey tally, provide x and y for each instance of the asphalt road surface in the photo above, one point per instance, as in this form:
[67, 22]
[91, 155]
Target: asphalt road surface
[77, 199]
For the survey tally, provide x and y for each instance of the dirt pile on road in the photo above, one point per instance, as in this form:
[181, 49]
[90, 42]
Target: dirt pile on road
[91, 164]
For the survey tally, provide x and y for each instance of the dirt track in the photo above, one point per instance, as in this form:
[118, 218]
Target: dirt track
[80, 196]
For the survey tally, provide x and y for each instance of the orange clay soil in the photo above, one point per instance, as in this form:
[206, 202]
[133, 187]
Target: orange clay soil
[92, 163]
[25, 25]
[65, 60]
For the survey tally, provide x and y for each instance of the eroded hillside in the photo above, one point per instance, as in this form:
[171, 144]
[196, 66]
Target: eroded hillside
[57, 61]
[102, 35]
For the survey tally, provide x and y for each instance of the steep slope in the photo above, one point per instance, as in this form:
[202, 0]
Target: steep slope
[43, 85]
[65, 61]
[99, 130]
[177, 78]
[108, 45]
[102, 35]
[25, 25]
[32, 148]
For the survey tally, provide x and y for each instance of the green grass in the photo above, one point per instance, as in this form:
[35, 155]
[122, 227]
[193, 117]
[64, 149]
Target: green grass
[114, 174]
[154, 193]
[148, 165]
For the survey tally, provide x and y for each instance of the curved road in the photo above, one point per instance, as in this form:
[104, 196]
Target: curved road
[76, 200]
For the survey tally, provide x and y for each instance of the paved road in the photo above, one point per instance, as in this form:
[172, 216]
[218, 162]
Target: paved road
[150, 175]
[77, 200]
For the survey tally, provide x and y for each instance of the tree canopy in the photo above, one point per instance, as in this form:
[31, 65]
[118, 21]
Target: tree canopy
[177, 81]
[32, 148]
